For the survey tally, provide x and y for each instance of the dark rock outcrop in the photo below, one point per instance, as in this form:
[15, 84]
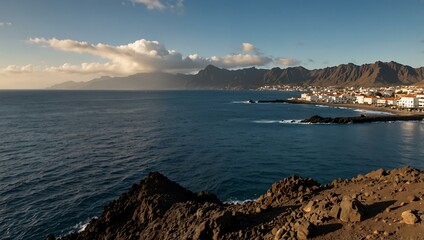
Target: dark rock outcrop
[361, 119]
[294, 208]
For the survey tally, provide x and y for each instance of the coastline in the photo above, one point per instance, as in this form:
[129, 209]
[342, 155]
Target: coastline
[377, 205]
[395, 111]
[368, 108]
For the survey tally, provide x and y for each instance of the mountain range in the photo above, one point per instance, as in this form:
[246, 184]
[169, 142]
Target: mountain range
[367, 75]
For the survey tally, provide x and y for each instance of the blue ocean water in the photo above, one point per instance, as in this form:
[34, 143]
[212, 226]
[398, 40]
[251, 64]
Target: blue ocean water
[65, 154]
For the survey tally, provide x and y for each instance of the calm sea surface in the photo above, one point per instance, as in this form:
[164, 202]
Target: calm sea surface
[65, 154]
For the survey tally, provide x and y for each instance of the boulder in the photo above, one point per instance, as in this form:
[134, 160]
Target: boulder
[335, 211]
[409, 217]
[309, 207]
[304, 230]
[412, 198]
[377, 174]
[351, 210]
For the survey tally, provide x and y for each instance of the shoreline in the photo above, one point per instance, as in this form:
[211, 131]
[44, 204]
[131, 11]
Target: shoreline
[348, 105]
[369, 108]
[378, 205]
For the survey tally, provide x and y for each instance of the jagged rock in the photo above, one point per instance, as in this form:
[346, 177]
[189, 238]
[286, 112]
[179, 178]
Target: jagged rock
[309, 207]
[409, 217]
[158, 208]
[377, 174]
[202, 232]
[287, 189]
[50, 237]
[351, 210]
[280, 232]
[335, 211]
[304, 230]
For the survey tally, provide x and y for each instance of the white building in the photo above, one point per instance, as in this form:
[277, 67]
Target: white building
[391, 101]
[382, 102]
[421, 102]
[311, 98]
[408, 101]
[360, 99]
[370, 100]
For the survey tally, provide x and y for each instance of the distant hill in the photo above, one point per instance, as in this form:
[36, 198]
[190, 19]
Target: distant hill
[139, 81]
[367, 75]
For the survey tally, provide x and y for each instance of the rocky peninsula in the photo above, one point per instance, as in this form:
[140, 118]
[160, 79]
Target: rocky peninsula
[362, 119]
[378, 205]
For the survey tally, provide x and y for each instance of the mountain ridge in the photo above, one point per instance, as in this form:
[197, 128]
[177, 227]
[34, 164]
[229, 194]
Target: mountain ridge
[376, 74]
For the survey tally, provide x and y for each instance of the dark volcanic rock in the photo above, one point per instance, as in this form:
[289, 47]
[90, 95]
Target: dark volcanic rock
[139, 211]
[294, 187]
[361, 119]
[294, 208]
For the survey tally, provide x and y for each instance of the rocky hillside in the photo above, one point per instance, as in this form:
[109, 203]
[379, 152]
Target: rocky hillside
[378, 205]
[377, 74]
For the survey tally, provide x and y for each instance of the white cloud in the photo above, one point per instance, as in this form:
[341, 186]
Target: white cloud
[247, 47]
[17, 69]
[122, 60]
[175, 5]
[287, 61]
[143, 56]
[5, 24]
[151, 4]
[240, 60]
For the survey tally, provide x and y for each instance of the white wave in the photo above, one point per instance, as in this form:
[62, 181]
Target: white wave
[242, 102]
[373, 112]
[292, 121]
[322, 106]
[83, 225]
[267, 121]
[289, 121]
[234, 202]
[82, 228]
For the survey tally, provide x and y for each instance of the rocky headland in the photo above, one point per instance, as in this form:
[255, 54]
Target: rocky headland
[378, 205]
[362, 119]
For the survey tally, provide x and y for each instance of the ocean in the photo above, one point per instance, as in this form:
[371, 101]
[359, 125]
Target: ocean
[65, 154]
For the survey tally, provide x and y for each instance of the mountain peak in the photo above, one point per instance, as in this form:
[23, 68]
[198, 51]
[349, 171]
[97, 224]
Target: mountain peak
[212, 77]
[212, 67]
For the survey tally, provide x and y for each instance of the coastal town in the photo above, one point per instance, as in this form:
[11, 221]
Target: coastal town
[407, 98]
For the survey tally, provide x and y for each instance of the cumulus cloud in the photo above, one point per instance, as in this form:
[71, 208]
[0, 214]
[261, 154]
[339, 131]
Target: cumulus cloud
[122, 60]
[151, 4]
[176, 5]
[240, 60]
[17, 69]
[287, 61]
[143, 56]
[5, 24]
[247, 47]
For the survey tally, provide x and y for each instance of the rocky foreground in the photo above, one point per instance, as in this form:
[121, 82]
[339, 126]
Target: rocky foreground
[378, 205]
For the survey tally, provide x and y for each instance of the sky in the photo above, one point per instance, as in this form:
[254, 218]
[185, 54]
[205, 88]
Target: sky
[46, 42]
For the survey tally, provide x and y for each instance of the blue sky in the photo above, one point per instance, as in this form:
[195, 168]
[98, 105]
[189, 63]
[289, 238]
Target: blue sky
[51, 41]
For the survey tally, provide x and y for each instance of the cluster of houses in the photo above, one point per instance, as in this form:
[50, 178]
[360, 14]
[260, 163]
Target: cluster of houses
[396, 97]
